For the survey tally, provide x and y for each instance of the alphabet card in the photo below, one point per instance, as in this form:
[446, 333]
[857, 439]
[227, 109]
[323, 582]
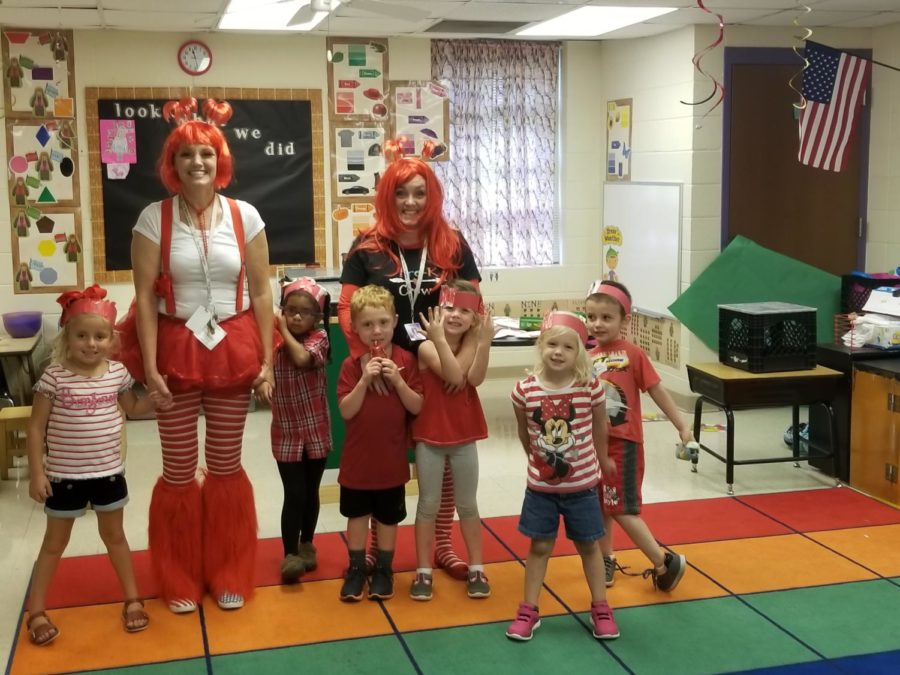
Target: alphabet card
[39, 72]
[422, 115]
[356, 75]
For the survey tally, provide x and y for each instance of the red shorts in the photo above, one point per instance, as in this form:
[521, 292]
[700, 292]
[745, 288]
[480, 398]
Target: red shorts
[621, 494]
[189, 366]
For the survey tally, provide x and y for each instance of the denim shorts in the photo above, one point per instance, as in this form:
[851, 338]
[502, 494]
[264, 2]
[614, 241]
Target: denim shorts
[580, 512]
[71, 496]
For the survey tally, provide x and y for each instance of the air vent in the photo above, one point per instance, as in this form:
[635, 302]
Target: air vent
[477, 27]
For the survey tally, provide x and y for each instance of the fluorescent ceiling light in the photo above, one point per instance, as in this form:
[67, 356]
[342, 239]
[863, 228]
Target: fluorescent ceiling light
[593, 21]
[270, 15]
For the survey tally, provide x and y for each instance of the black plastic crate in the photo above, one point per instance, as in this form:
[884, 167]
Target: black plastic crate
[855, 290]
[765, 337]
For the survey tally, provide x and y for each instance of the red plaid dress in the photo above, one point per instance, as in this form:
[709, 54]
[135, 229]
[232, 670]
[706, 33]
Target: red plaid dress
[301, 423]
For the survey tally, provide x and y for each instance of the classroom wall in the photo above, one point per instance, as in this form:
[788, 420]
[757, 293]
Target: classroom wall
[672, 142]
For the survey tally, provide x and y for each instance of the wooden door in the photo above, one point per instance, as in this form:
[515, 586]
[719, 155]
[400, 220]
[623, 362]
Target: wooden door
[808, 214]
[874, 441]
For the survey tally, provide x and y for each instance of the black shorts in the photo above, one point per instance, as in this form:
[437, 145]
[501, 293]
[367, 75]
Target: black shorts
[71, 496]
[387, 506]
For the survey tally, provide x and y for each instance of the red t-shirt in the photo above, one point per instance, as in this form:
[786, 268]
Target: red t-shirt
[448, 419]
[625, 371]
[374, 454]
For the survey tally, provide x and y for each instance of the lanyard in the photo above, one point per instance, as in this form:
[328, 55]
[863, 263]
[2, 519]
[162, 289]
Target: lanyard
[413, 291]
[203, 254]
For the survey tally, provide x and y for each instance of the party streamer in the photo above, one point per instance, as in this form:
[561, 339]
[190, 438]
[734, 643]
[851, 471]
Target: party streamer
[717, 86]
[800, 41]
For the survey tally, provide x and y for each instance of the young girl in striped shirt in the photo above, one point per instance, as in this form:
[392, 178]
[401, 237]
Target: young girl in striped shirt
[301, 424]
[561, 415]
[75, 413]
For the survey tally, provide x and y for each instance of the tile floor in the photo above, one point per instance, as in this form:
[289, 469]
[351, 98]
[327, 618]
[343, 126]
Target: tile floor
[759, 433]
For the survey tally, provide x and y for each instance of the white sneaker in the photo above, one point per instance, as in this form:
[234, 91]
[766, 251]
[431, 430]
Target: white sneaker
[182, 606]
[230, 600]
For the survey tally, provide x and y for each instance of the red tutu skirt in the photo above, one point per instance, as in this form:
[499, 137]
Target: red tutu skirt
[189, 366]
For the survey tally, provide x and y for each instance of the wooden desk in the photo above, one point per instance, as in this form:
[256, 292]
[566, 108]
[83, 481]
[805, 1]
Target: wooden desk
[732, 389]
[22, 351]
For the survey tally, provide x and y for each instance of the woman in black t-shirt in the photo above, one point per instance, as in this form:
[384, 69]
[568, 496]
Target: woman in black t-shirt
[411, 250]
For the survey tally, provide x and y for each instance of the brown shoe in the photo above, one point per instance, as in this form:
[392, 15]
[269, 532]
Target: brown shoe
[307, 554]
[134, 618]
[43, 633]
[292, 568]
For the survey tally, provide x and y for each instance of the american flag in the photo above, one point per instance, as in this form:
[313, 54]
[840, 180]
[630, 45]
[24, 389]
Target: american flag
[834, 85]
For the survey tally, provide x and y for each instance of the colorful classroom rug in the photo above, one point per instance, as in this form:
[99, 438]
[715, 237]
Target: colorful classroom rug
[801, 582]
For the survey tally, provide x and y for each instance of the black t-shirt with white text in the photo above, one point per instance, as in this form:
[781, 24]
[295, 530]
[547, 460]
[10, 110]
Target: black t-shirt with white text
[364, 267]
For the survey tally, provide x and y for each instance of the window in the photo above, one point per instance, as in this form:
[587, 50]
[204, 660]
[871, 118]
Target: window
[501, 182]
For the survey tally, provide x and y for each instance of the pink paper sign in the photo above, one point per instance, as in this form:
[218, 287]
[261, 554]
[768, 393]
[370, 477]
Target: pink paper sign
[117, 142]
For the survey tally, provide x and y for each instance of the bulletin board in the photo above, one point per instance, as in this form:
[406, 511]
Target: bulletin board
[275, 136]
[642, 242]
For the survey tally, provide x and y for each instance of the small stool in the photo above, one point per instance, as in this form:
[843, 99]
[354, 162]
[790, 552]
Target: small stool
[12, 421]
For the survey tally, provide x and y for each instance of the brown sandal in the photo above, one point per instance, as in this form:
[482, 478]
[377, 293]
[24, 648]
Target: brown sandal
[138, 615]
[42, 634]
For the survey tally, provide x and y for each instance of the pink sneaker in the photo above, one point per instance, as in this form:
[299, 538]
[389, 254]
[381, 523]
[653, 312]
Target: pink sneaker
[605, 627]
[527, 619]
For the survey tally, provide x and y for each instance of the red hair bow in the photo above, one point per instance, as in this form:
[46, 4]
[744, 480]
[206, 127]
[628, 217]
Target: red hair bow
[89, 301]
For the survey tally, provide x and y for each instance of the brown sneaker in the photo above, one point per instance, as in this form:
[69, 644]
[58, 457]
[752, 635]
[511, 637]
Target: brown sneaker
[307, 554]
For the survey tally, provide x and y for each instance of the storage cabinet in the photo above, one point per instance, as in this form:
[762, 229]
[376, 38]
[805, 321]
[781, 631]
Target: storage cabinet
[875, 430]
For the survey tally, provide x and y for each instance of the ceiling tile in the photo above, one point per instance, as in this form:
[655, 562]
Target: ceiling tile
[193, 6]
[159, 20]
[29, 18]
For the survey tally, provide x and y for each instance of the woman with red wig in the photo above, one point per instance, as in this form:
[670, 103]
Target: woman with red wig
[411, 250]
[203, 339]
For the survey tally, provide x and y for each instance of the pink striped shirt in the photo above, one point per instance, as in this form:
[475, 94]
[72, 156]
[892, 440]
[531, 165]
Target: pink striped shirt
[560, 431]
[84, 431]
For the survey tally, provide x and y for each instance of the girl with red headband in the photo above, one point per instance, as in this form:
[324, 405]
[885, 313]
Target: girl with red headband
[625, 371]
[301, 423]
[411, 250]
[75, 413]
[561, 417]
[203, 339]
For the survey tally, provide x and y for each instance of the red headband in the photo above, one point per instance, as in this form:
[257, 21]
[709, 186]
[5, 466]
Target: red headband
[453, 297]
[615, 293]
[308, 285]
[567, 320]
[89, 301]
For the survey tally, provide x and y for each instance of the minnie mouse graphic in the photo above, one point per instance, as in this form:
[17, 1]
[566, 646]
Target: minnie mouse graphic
[555, 421]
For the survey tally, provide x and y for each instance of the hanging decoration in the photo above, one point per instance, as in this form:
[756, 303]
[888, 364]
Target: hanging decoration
[718, 87]
[799, 41]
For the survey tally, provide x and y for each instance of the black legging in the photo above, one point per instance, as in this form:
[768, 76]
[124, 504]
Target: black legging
[300, 512]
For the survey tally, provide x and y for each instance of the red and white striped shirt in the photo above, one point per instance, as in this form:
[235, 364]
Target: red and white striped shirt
[84, 431]
[560, 431]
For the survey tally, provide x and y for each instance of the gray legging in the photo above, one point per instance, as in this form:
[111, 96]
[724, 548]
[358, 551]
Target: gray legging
[430, 467]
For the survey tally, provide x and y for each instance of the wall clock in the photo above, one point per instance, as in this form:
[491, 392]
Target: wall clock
[194, 57]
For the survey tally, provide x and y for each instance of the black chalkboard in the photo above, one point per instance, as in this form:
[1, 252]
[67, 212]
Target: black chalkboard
[272, 146]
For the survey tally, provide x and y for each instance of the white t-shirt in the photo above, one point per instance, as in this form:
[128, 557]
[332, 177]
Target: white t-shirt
[188, 280]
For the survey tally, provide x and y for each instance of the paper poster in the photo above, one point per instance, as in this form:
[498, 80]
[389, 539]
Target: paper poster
[349, 220]
[47, 250]
[38, 70]
[421, 114]
[117, 142]
[358, 161]
[618, 139]
[357, 79]
[43, 170]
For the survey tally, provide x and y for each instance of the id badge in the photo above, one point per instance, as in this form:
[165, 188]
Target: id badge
[205, 328]
[414, 331]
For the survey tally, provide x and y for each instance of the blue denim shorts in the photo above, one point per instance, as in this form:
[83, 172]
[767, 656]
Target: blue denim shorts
[580, 512]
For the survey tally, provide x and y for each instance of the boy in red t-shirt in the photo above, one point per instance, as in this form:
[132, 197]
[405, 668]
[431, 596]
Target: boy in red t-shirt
[626, 371]
[374, 468]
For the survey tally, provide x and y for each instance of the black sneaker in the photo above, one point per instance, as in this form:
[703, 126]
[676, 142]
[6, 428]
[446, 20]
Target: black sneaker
[668, 580]
[381, 583]
[354, 583]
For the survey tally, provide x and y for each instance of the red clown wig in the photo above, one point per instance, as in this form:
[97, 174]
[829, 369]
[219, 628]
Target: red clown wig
[195, 132]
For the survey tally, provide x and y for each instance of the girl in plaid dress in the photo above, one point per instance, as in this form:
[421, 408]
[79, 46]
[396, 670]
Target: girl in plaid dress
[301, 424]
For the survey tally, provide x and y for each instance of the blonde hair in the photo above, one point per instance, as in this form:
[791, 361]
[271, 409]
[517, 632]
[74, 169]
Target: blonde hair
[583, 370]
[371, 296]
[60, 351]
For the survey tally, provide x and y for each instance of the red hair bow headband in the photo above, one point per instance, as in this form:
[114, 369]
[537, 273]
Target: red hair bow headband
[617, 294]
[184, 110]
[394, 149]
[567, 320]
[308, 285]
[89, 301]
[453, 297]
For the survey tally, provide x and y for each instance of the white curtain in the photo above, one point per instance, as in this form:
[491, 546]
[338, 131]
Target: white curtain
[501, 179]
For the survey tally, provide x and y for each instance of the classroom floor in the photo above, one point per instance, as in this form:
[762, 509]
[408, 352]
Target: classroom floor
[789, 571]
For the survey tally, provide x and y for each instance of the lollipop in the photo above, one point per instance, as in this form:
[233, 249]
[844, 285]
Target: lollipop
[376, 351]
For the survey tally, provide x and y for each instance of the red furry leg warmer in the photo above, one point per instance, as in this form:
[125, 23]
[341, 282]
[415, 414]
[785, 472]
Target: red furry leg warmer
[174, 536]
[229, 534]
[444, 555]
